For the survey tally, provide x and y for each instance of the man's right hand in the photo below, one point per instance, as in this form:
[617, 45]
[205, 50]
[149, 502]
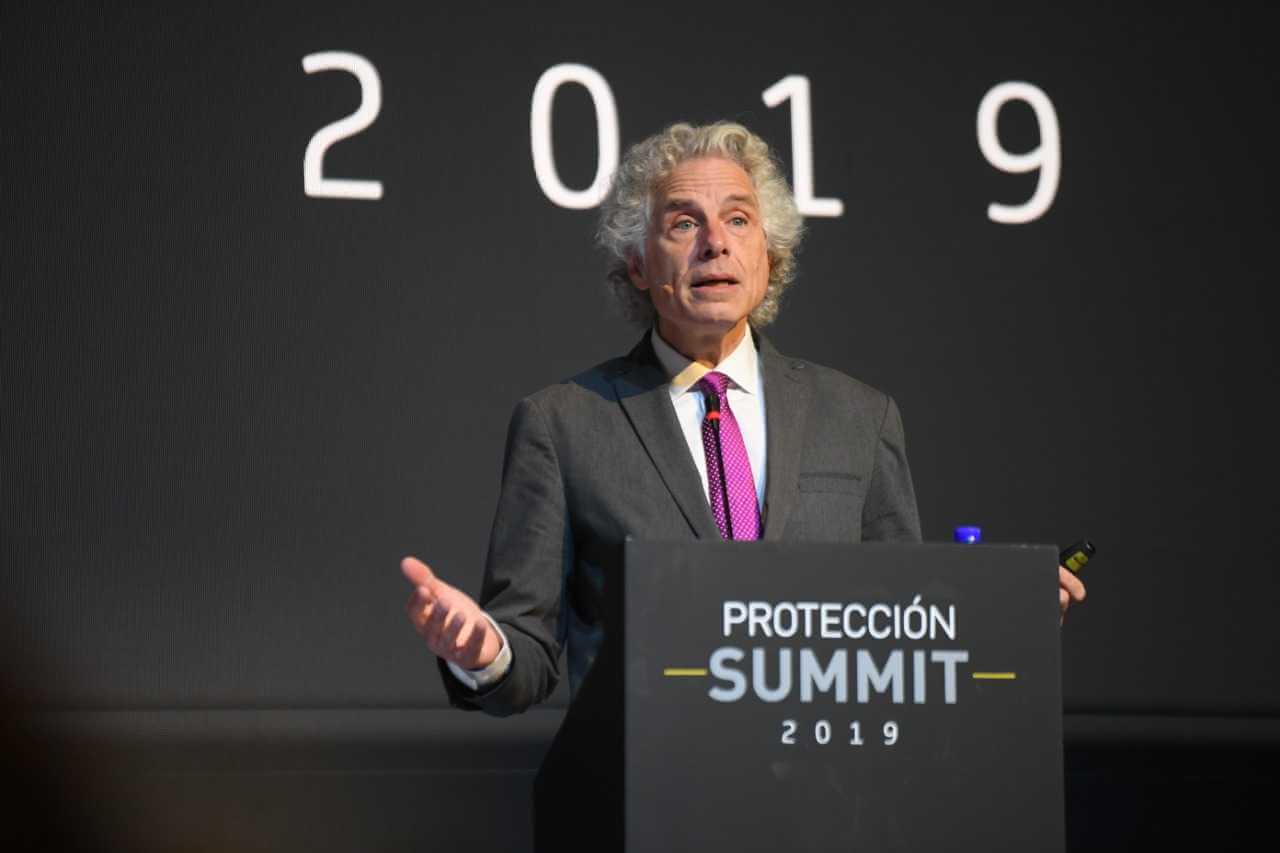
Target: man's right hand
[453, 625]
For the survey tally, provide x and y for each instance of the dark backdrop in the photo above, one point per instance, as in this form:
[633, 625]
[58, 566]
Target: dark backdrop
[230, 407]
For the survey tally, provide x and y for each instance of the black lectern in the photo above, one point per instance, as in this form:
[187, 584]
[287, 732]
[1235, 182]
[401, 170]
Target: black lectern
[768, 696]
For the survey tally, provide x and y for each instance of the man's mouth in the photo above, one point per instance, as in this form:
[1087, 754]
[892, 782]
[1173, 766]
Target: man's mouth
[713, 281]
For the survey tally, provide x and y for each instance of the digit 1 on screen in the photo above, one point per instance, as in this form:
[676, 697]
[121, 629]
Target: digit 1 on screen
[1047, 156]
[314, 183]
[544, 160]
[796, 88]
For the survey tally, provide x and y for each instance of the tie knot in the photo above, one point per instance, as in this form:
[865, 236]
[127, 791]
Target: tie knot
[716, 382]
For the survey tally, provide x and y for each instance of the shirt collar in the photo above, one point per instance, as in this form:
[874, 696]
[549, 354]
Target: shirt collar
[742, 366]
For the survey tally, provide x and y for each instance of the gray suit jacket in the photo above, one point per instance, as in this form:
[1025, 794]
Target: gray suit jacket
[601, 457]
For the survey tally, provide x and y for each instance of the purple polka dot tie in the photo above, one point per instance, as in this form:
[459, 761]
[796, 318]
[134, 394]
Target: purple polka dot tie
[730, 484]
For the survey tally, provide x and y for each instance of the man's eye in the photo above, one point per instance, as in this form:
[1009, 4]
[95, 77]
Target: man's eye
[739, 220]
[683, 225]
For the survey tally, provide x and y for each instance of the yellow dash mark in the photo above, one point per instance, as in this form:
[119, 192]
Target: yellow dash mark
[996, 676]
[675, 670]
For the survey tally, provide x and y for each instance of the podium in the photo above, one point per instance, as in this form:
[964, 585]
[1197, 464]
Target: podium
[773, 696]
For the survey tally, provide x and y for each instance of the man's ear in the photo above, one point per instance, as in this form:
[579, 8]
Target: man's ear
[635, 270]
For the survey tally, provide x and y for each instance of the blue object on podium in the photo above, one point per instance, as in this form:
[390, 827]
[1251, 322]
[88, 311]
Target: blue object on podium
[771, 696]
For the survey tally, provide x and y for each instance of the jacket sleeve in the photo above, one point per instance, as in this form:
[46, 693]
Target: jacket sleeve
[889, 513]
[530, 554]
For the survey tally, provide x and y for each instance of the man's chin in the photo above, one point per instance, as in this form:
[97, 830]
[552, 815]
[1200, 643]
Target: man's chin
[703, 324]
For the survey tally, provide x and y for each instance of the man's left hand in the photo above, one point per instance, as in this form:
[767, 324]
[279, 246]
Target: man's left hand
[1070, 589]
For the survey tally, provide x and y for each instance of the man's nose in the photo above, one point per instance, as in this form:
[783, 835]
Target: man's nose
[713, 240]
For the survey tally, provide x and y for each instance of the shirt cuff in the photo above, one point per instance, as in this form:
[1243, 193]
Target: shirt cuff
[478, 679]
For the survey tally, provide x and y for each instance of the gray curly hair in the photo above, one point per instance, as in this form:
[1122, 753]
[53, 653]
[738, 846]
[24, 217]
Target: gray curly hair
[627, 211]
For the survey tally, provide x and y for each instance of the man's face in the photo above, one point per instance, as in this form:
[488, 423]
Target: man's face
[705, 264]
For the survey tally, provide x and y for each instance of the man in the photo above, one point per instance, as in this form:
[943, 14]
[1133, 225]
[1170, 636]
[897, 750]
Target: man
[703, 430]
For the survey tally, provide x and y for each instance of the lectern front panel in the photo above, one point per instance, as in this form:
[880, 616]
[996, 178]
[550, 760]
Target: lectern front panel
[843, 697]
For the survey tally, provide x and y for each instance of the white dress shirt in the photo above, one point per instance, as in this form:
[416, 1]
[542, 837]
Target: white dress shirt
[746, 399]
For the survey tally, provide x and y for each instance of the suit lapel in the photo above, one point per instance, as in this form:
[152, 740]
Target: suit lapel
[786, 402]
[641, 386]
